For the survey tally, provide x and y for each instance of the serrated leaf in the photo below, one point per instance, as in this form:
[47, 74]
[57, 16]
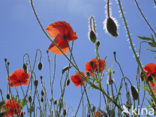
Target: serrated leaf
[145, 88]
[145, 38]
[152, 51]
[152, 44]
[24, 102]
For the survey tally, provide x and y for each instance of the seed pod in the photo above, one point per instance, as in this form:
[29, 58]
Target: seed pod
[92, 36]
[111, 26]
[68, 82]
[40, 65]
[134, 92]
[36, 83]
[25, 67]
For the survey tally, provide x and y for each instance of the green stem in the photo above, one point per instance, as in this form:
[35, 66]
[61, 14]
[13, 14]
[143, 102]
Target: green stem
[133, 50]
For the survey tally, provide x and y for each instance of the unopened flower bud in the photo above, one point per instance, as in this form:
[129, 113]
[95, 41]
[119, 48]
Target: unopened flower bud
[42, 99]
[111, 26]
[40, 65]
[55, 102]
[36, 83]
[5, 59]
[30, 98]
[92, 36]
[64, 112]
[65, 69]
[8, 96]
[68, 82]
[8, 63]
[25, 67]
[134, 92]
[42, 92]
[93, 109]
[97, 43]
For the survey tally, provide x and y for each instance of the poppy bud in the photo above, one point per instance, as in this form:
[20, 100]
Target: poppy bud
[142, 76]
[40, 65]
[93, 109]
[68, 82]
[97, 43]
[47, 51]
[111, 26]
[41, 77]
[134, 92]
[25, 67]
[8, 63]
[92, 36]
[55, 102]
[5, 59]
[64, 112]
[30, 98]
[8, 96]
[42, 92]
[65, 69]
[36, 83]
[42, 99]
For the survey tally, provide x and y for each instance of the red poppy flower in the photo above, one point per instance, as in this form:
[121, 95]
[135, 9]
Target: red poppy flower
[150, 71]
[98, 114]
[18, 77]
[11, 107]
[92, 66]
[62, 33]
[78, 79]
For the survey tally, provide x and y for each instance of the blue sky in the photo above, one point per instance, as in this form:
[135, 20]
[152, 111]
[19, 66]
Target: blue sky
[20, 34]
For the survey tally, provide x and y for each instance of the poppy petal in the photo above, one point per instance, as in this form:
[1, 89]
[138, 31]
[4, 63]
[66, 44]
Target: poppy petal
[63, 44]
[61, 28]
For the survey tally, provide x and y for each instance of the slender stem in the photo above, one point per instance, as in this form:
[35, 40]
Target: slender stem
[108, 9]
[133, 50]
[145, 17]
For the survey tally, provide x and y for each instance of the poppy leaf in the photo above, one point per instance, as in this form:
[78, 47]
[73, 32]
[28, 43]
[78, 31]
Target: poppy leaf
[145, 38]
[24, 102]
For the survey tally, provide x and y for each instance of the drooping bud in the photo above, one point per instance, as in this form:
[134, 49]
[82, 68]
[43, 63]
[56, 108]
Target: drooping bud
[97, 43]
[5, 59]
[134, 92]
[68, 82]
[65, 69]
[42, 92]
[42, 99]
[92, 31]
[30, 98]
[64, 112]
[8, 96]
[55, 102]
[25, 67]
[36, 83]
[111, 26]
[40, 65]
[92, 36]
